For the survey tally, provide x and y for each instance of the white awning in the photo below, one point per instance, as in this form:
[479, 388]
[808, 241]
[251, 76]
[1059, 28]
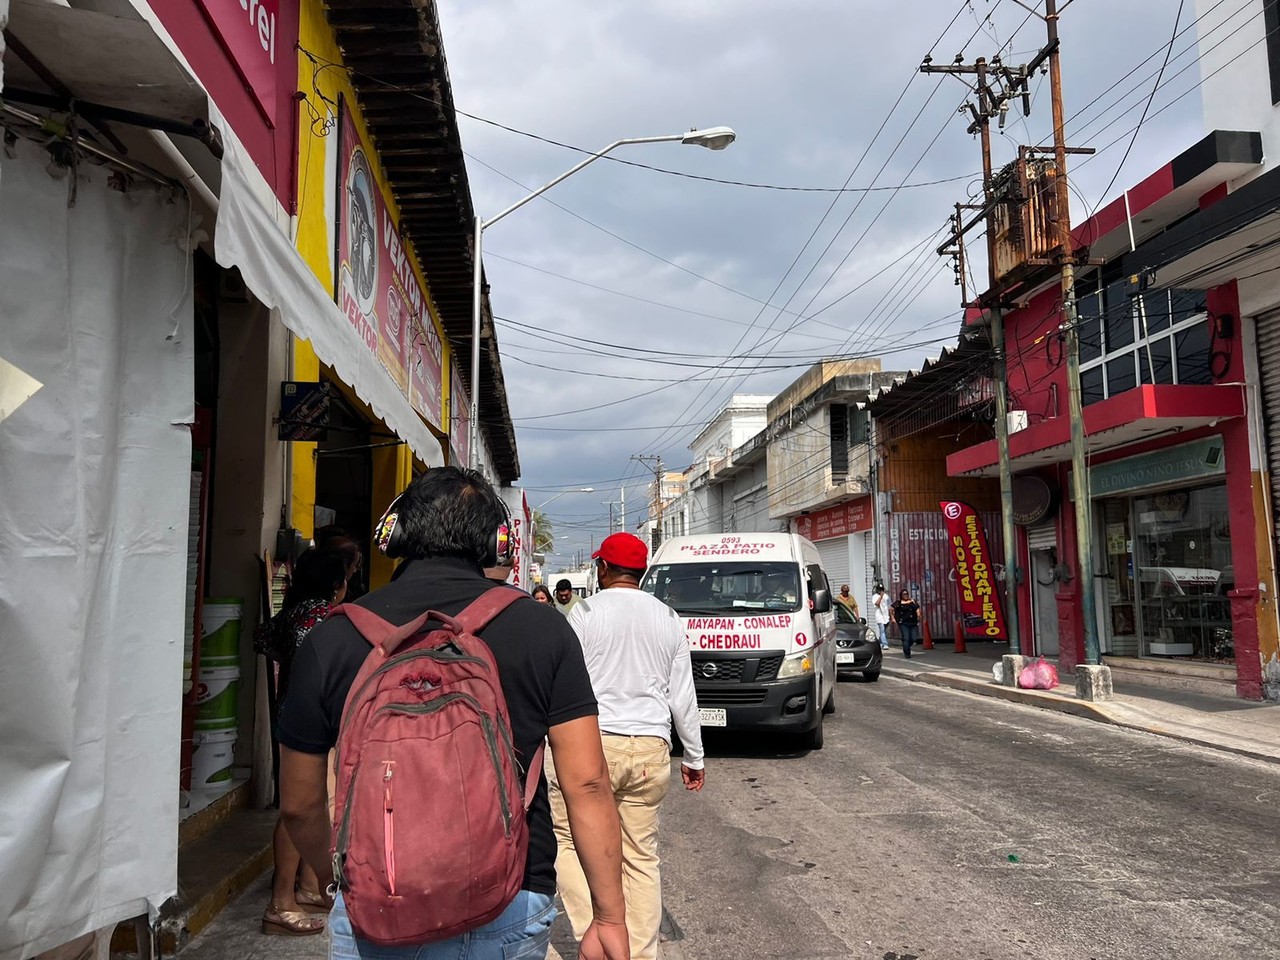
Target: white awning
[248, 237]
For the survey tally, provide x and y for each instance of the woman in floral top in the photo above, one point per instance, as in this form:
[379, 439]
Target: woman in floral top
[318, 584]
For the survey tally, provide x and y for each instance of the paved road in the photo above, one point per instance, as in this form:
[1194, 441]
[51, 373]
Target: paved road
[937, 824]
[897, 842]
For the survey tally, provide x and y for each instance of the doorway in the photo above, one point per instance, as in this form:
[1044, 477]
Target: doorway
[1044, 601]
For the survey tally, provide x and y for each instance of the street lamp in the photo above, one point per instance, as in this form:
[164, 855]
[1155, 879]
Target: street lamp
[542, 506]
[713, 138]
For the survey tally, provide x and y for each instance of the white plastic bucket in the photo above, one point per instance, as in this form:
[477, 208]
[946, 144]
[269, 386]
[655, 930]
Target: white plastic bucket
[212, 757]
[220, 632]
[217, 698]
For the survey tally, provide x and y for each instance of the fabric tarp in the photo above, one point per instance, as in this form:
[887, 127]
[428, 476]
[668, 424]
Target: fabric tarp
[248, 237]
[96, 312]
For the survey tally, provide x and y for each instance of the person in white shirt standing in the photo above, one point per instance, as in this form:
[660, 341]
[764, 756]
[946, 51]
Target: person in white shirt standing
[883, 605]
[638, 660]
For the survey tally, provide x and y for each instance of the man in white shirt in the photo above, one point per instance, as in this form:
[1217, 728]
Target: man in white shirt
[638, 660]
[882, 604]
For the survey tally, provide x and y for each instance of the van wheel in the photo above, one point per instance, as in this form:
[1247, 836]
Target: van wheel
[814, 738]
[830, 705]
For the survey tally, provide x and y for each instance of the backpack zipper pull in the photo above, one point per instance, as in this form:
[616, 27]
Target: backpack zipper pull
[388, 826]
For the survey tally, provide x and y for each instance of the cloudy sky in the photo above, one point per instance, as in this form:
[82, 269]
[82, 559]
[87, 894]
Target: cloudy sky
[634, 302]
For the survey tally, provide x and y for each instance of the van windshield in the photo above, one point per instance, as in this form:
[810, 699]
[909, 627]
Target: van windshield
[693, 589]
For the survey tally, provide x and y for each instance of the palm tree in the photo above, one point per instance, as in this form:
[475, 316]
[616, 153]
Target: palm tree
[543, 532]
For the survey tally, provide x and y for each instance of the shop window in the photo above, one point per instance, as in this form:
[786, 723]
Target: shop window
[839, 442]
[1120, 375]
[1091, 388]
[1160, 336]
[1193, 353]
[1182, 553]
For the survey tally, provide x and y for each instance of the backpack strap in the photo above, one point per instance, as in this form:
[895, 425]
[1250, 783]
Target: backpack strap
[534, 775]
[379, 632]
[481, 611]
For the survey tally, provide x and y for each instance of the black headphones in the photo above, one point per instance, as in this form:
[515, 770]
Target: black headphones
[389, 536]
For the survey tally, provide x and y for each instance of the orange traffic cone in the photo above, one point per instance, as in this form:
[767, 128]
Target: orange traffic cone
[960, 647]
[926, 633]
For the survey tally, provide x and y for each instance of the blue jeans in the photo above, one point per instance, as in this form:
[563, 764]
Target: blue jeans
[910, 633]
[883, 629]
[521, 932]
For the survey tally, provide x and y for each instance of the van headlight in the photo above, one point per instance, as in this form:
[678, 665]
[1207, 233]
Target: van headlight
[796, 665]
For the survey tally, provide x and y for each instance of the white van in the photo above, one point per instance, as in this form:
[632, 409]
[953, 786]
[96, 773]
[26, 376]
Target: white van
[757, 609]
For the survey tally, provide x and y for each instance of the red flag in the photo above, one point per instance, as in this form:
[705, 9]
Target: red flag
[980, 609]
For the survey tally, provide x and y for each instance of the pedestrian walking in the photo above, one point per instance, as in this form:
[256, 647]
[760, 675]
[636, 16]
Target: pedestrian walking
[566, 599]
[882, 608]
[638, 658]
[542, 594]
[318, 583]
[906, 613]
[446, 523]
[849, 600]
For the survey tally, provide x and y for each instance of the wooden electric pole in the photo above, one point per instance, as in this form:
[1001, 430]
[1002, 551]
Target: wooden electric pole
[988, 105]
[1080, 486]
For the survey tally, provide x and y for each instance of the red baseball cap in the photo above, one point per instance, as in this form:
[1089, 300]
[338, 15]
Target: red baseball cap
[623, 550]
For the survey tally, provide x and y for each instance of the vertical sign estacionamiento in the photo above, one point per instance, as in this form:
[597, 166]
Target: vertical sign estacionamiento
[980, 608]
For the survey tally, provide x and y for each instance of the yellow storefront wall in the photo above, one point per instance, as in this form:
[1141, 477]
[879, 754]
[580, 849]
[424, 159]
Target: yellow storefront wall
[323, 87]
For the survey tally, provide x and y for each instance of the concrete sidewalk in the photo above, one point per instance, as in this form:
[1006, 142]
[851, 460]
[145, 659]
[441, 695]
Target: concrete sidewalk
[1239, 726]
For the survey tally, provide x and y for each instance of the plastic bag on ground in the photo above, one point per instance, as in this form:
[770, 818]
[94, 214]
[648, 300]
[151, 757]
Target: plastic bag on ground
[1041, 675]
[997, 672]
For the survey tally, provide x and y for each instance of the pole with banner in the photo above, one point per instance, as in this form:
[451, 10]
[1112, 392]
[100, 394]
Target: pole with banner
[981, 613]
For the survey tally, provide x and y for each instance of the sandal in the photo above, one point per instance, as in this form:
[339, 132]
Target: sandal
[291, 923]
[308, 899]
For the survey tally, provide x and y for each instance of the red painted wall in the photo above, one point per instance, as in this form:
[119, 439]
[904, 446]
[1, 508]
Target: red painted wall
[271, 147]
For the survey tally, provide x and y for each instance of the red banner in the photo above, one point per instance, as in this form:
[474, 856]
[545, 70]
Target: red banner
[376, 285]
[248, 30]
[838, 521]
[980, 608]
[459, 419]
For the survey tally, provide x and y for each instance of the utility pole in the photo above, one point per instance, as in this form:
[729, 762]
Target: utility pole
[1080, 486]
[622, 509]
[990, 104]
[654, 463]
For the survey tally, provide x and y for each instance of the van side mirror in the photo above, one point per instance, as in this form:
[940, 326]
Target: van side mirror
[821, 600]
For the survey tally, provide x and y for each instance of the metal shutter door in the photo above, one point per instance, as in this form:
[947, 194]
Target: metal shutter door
[1043, 537]
[835, 560]
[1267, 329]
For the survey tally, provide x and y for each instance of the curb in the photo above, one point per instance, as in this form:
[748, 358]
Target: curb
[1061, 704]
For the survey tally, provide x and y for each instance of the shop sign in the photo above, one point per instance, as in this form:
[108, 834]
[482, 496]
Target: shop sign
[304, 410]
[459, 419]
[855, 516]
[1196, 460]
[376, 286]
[1033, 500]
[248, 31]
[980, 609]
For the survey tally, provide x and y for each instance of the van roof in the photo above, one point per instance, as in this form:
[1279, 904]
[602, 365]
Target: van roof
[759, 546]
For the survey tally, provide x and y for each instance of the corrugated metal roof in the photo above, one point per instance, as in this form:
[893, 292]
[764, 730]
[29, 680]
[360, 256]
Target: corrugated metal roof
[395, 55]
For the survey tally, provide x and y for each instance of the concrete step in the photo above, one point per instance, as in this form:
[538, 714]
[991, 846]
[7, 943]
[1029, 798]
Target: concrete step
[1210, 679]
[218, 860]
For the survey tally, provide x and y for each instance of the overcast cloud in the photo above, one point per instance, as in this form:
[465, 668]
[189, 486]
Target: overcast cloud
[805, 84]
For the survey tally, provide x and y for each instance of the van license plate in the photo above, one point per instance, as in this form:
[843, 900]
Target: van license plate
[846, 658]
[711, 717]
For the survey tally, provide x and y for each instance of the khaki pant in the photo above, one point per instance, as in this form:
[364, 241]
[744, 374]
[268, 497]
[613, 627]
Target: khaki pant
[640, 772]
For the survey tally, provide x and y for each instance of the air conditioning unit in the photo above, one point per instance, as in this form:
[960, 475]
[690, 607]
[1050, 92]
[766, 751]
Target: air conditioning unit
[1017, 420]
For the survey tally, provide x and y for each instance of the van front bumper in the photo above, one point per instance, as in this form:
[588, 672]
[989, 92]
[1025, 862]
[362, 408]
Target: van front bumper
[789, 706]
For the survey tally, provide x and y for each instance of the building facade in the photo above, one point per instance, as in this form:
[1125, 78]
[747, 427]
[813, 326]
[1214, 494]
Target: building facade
[259, 231]
[1175, 420]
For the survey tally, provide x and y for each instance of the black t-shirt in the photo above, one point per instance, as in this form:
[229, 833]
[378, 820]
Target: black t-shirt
[907, 612]
[539, 660]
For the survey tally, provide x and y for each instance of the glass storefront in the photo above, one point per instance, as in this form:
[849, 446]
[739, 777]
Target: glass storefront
[1167, 574]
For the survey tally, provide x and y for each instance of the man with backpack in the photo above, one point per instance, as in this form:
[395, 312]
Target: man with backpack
[442, 834]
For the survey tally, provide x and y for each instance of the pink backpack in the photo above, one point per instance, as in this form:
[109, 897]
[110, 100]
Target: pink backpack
[430, 838]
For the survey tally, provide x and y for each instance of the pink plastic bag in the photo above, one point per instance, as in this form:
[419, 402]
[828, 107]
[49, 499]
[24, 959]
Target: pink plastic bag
[1041, 675]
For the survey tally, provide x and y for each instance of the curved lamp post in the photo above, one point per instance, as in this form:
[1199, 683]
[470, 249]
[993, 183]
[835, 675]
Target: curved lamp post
[713, 138]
